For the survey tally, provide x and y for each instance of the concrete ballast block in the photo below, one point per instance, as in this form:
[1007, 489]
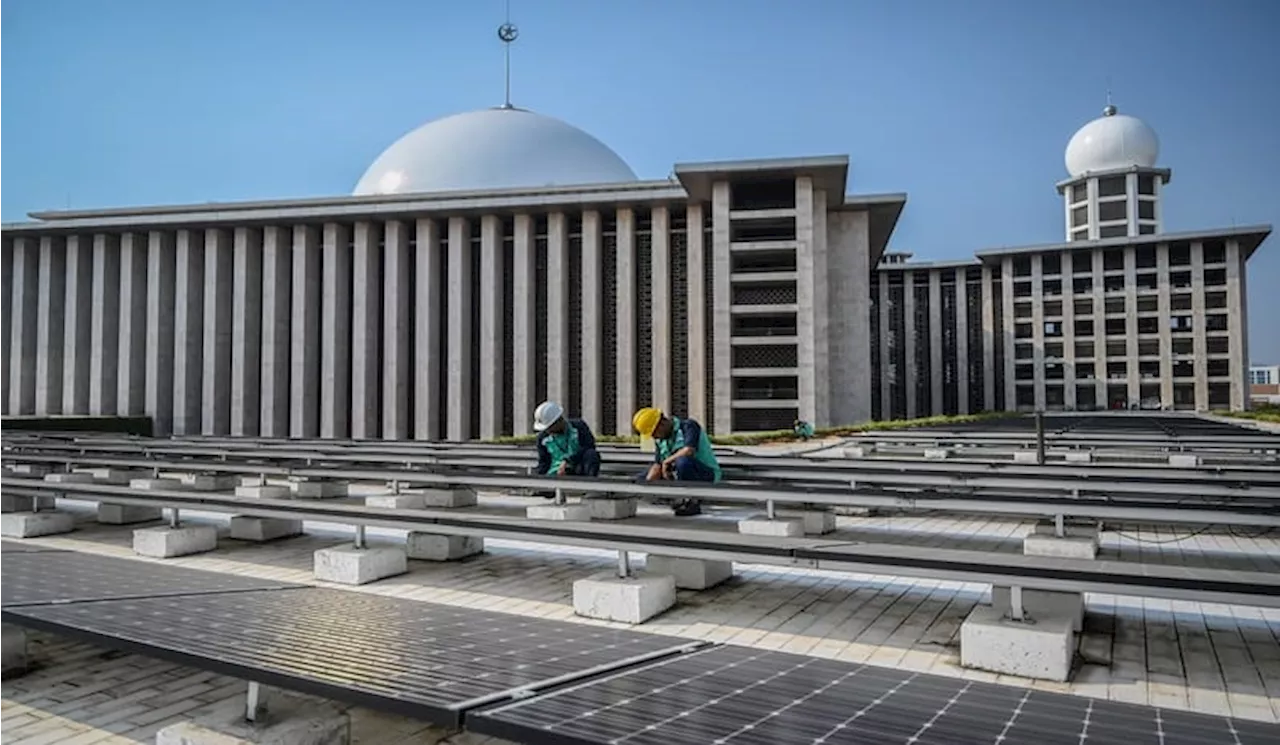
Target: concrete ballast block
[348, 565]
[1078, 456]
[564, 512]
[634, 599]
[259, 529]
[117, 476]
[74, 477]
[110, 513]
[1043, 603]
[777, 528]
[289, 719]
[1068, 547]
[162, 484]
[15, 657]
[437, 547]
[1025, 456]
[690, 574]
[448, 498]
[1071, 527]
[1184, 460]
[937, 453]
[203, 482]
[35, 524]
[15, 503]
[1041, 649]
[858, 451]
[604, 508]
[167, 542]
[29, 470]
[264, 491]
[816, 522]
[396, 501]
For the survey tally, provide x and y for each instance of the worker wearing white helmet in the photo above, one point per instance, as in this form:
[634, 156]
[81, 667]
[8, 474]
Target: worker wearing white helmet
[566, 446]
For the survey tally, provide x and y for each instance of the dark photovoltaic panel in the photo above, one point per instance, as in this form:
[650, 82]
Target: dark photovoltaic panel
[36, 577]
[416, 658]
[743, 696]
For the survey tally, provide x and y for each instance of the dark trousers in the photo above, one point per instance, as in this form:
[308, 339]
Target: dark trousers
[588, 465]
[686, 468]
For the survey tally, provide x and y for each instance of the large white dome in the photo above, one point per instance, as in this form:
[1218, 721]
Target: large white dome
[492, 149]
[1111, 142]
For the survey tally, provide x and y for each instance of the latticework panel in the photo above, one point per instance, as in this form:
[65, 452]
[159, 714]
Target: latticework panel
[977, 370]
[876, 376]
[575, 321]
[708, 290]
[924, 373]
[763, 420]
[897, 352]
[765, 294]
[508, 332]
[644, 317]
[609, 319]
[540, 317]
[950, 343]
[679, 322]
[766, 355]
[474, 403]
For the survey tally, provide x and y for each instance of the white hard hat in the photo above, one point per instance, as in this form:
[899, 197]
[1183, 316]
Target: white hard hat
[547, 414]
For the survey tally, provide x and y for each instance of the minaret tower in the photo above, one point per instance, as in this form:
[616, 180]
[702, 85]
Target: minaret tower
[1114, 186]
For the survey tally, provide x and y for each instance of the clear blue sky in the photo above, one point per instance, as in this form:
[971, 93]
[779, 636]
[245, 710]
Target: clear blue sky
[965, 105]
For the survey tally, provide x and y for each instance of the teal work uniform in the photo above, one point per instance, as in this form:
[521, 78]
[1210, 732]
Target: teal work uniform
[561, 447]
[688, 433]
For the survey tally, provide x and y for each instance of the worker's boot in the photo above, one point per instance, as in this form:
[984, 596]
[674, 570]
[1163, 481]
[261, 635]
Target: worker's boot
[687, 508]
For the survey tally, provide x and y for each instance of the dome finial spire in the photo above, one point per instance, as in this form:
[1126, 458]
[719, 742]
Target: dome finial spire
[508, 33]
[1110, 109]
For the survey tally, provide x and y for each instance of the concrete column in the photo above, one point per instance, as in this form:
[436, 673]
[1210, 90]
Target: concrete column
[1037, 329]
[1068, 332]
[721, 319]
[78, 321]
[962, 341]
[246, 332]
[161, 283]
[660, 307]
[1237, 313]
[366, 323]
[50, 315]
[1165, 306]
[460, 383]
[6, 308]
[988, 340]
[335, 332]
[910, 374]
[1134, 392]
[524, 317]
[1131, 204]
[1099, 322]
[215, 390]
[23, 327]
[935, 344]
[627, 304]
[1007, 329]
[493, 312]
[277, 281]
[1201, 346]
[132, 339]
[592, 329]
[558, 308]
[105, 326]
[822, 312]
[886, 364]
[806, 272]
[396, 323]
[695, 289]
[305, 301]
[427, 310]
[188, 330]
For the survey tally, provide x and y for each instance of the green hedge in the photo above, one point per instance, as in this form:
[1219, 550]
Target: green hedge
[786, 435]
[1258, 415]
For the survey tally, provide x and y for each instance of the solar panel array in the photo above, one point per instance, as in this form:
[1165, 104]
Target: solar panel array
[741, 696]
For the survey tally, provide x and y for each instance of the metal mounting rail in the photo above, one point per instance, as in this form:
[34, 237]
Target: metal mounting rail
[1119, 577]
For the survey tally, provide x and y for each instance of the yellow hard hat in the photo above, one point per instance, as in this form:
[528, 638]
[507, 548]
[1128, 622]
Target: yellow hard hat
[646, 420]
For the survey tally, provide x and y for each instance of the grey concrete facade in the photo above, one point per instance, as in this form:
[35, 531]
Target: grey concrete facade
[765, 299]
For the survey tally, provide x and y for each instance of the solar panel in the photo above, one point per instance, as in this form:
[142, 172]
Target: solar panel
[36, 577]
[741, 696]
[414, 658]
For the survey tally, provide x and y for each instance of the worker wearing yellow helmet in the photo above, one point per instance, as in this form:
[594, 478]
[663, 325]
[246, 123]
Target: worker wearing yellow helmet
[683, 452]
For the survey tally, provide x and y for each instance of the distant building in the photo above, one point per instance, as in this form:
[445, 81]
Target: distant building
[1264, 384]
[495, 258]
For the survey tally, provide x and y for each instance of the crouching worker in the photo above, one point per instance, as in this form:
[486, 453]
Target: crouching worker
[683, 453]
[566, 447]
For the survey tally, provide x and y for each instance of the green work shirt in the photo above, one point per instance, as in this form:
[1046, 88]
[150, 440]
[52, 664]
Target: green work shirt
[688, 433]
[562, 447]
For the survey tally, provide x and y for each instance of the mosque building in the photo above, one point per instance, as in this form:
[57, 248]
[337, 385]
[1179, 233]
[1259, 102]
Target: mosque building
[492, 259]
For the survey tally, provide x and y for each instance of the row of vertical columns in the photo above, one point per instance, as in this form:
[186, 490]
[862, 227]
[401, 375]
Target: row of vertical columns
[1007, 329]
[911, 374]
[492, 314]
[397, 309]
[429, 287]
[558, 290]
[1068, 332]
[626, 307]
[460, 299]
[988, 339]
[49, 326]
[962, 340]
[722, 413]
[660, 308]
[695, 287]
[366, 322]
[935, 344]
[1199, 341]
[246, 333]
[591, 318]
[1164, 305]
[524, 320]
[160, 320]
[1099, 329]
[1037, 331]
[1133, 389]
[886, 362]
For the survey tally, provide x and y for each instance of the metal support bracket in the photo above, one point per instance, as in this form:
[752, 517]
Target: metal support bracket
[175, 518]
[1059, 526]
[360, 539]
[255, 706]
[624, 564]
